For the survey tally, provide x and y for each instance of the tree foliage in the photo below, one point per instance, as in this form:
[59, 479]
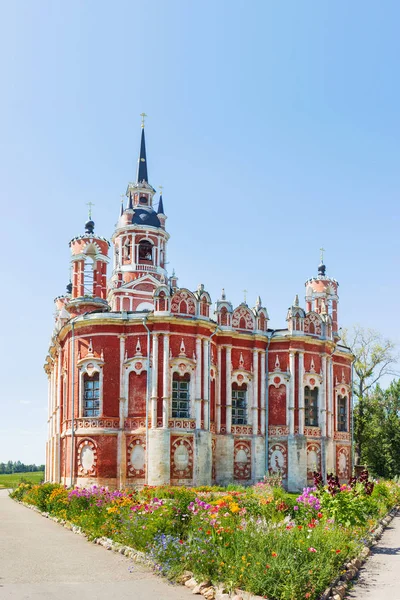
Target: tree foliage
[374, 357]
[381, 433]
[18, 467]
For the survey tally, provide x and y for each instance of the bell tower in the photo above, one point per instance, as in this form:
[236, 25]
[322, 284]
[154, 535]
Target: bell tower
[140, 243]
[322, 295]
[88, 288]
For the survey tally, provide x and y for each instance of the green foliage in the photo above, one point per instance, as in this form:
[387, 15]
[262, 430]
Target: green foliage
[258, 538]
[380, 422]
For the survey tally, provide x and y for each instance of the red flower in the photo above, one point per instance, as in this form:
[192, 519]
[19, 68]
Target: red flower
[181, 541]
[319, 515]
[338, 551]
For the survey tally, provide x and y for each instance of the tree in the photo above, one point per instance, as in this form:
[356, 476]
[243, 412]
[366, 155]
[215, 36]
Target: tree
[381, 443]
[374, 357]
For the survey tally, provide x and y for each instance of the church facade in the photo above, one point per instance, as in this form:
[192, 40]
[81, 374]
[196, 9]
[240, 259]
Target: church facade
[149, 383]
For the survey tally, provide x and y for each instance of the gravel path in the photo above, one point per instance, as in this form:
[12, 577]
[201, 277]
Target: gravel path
[39, 559]
[379, 578]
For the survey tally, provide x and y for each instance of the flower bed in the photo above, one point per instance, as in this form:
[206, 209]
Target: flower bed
[260, 539]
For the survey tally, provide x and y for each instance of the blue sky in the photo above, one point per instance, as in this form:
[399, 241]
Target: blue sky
[273, 126]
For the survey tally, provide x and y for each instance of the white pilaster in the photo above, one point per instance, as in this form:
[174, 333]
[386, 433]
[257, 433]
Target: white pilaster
[165, 380]
[154, 381]
[330, 396]
[255, 393]
[263, 390]
[301, 393]
[291, 392]
[322, 402]
[228, 389]
[206, 383]
[198, 383]
[218, 391]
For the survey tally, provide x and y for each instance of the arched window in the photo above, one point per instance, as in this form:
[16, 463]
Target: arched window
[239, 404]
[342, 413]
[145, 250]
[311, 407]
[224, 316]
[88, 275]
[91, 395]
[180, 396]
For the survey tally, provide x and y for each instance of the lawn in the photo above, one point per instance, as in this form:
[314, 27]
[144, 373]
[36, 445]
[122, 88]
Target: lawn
[12, 480]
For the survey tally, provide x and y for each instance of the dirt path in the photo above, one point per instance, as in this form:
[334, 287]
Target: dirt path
[39, 559]
[380, 576]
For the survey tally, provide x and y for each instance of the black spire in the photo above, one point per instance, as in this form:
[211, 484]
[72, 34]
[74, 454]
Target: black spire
[130, 203]
[321, 266]
[142, 163]
[160, 210]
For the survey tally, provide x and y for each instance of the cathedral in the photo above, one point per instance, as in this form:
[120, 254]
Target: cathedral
[151, 383]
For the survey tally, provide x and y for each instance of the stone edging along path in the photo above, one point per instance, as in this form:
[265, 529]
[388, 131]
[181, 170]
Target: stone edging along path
[336, 590]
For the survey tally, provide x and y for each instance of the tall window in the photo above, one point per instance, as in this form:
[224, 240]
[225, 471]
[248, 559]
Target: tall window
[180, 396]
[239, 404]
[91, 396]
[311, 407]
[342, 413]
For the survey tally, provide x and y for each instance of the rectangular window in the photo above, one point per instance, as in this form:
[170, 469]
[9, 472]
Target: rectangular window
[91, 397]
[180, 399]
[239, 407]
[342, 413]
[311, 407]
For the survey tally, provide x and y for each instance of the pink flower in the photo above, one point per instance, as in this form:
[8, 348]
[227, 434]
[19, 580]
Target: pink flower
[312, 550]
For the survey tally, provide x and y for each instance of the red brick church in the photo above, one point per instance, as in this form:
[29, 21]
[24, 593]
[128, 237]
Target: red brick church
[150, 383]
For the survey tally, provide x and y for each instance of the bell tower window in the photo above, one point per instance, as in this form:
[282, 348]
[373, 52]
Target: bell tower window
[311, 407]
[143, 200]
[180, 396]
[145, 251]
[342, 413]
[91, 395]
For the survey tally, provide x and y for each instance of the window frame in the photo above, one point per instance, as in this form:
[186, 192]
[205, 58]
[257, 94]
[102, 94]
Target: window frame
[237, 417]
[180, 386]
[342, 422]
[311, 406]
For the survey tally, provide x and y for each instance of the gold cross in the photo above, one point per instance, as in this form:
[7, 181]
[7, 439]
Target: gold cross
[122, 198]
[322, 250]
[90, 204]
[161, 189]
[245, 296]
[143, 115]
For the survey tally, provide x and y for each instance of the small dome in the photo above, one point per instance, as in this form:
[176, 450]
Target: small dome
[145, 217]
[89, 226]
[321, 270]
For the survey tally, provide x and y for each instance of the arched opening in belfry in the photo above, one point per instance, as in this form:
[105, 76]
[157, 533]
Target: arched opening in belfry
[88, 271]
[145, 251]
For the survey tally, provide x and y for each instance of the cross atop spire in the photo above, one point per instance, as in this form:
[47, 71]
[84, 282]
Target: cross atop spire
[322, 250]
[321, 267]
[143, 115]
[90, 204]
[142, 162]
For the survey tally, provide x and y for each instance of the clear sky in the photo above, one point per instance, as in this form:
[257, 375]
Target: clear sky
[274, 128]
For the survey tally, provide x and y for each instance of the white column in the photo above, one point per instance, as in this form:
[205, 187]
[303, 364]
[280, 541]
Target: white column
[228, 389]
[255, 393]
[263, 391]
[330, 396]
[218, 392]
[198, 384]
[301, 393]
[154, 381]
[291, 393]
[165, 380]
[206, 383]
[121, 453]
[322, 400]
